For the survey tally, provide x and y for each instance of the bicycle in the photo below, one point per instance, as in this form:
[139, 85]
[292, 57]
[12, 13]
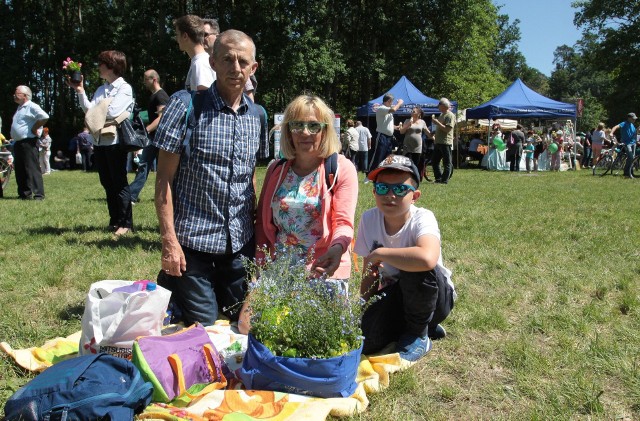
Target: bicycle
[604, 163]
[614, 160]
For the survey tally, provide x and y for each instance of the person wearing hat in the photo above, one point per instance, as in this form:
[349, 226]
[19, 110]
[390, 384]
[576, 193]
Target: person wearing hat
[403, 265]
[629, 138]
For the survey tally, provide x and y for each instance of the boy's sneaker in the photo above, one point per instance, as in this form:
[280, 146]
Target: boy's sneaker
[437, 333]
[413, 347]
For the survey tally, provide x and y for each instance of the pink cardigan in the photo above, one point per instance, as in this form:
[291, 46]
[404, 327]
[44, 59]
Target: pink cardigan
[337, 209]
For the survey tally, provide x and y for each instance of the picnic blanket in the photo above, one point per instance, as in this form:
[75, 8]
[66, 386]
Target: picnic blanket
[235, 403]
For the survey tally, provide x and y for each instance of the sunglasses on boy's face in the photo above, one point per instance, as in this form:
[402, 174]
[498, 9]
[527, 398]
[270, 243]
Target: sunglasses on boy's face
[312, 126]
[400, 190]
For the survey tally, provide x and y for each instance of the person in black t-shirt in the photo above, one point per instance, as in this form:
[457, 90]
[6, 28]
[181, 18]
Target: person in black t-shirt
[147, 157]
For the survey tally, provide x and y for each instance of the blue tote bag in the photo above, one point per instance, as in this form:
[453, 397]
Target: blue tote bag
[322, 377]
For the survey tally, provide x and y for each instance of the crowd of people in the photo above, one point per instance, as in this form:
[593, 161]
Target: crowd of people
[579, 150]
[205, 193]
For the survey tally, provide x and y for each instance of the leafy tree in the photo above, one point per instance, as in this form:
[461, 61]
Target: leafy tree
[613, 30]
[348, 51]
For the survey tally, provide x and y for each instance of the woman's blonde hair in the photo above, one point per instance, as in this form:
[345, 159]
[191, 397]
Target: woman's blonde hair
[298, 109]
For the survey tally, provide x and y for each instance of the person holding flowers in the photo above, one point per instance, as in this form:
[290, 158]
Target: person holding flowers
[110, 102]
[301, 206]
[403, 265]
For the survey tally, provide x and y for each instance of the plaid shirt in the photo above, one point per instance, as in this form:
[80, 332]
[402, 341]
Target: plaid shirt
[213, 191]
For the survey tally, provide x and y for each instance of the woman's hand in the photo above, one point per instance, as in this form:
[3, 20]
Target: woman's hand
[78, 87]
[328, 263]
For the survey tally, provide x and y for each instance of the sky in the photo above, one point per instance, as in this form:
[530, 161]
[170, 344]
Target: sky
[544, 25]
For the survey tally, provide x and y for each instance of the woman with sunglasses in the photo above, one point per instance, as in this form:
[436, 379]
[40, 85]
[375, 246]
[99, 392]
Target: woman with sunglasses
[110, 101]
[299, 205]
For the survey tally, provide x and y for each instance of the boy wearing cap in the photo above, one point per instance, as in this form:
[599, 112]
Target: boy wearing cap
[400, 244]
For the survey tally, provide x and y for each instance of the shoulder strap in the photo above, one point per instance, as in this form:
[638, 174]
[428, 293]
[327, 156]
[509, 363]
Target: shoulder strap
[331, 170]
[193, 102]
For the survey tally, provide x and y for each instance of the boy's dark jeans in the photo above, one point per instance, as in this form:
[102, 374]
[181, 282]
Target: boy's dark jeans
[413, 305]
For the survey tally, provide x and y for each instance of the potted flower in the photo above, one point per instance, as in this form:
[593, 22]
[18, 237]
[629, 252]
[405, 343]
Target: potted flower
[305, 335]
[73, 69]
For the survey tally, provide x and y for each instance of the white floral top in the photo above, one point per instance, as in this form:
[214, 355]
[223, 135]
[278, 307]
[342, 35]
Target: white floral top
[296, 210]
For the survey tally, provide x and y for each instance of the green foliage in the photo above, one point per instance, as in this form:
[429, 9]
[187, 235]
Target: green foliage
[611, 30]
[296, 315]
[347, 52]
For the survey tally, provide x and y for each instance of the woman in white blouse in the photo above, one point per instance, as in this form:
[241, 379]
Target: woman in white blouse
[114, 98]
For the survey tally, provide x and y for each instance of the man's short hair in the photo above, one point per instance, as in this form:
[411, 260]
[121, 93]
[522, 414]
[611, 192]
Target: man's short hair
[444, 101]
[26, 90]
[233, 35]
[215, 27]
[114, 60]
[191, 25]
[153, 74]
[387, 97]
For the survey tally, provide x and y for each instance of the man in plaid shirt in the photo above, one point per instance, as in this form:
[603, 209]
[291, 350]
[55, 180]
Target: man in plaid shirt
[205, 198]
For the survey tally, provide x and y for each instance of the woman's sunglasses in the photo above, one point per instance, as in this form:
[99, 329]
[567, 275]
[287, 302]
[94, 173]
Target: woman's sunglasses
[312, 126]
[400, 190]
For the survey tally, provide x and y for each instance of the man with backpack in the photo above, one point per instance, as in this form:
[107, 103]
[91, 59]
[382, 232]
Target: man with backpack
[205, 187]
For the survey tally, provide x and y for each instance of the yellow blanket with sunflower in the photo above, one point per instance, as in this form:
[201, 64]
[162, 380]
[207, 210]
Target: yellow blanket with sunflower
[235, 403]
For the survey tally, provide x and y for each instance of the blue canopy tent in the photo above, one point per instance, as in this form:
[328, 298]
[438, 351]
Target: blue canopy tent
[410, 95]
[519, 101]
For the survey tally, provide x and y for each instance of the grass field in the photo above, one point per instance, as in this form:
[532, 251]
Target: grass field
[547, 269]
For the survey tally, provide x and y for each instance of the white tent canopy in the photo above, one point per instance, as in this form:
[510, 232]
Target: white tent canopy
[505, 123]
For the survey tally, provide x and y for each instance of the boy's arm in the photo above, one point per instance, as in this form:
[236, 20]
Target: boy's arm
[421, 257]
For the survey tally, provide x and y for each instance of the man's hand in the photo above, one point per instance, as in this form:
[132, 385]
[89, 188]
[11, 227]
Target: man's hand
[173, 260]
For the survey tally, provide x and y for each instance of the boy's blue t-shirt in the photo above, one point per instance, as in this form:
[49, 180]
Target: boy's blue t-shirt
[529, 149]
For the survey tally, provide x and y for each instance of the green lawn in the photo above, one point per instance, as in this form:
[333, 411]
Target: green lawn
[546, 265]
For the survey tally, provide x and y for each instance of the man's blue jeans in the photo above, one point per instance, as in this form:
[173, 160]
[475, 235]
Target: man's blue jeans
[212, 284]
[383, 148]
[630, 150]
[145, 161]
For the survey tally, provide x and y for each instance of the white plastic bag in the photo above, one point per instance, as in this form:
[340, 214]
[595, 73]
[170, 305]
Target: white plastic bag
[112, 320]
[78, 158]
